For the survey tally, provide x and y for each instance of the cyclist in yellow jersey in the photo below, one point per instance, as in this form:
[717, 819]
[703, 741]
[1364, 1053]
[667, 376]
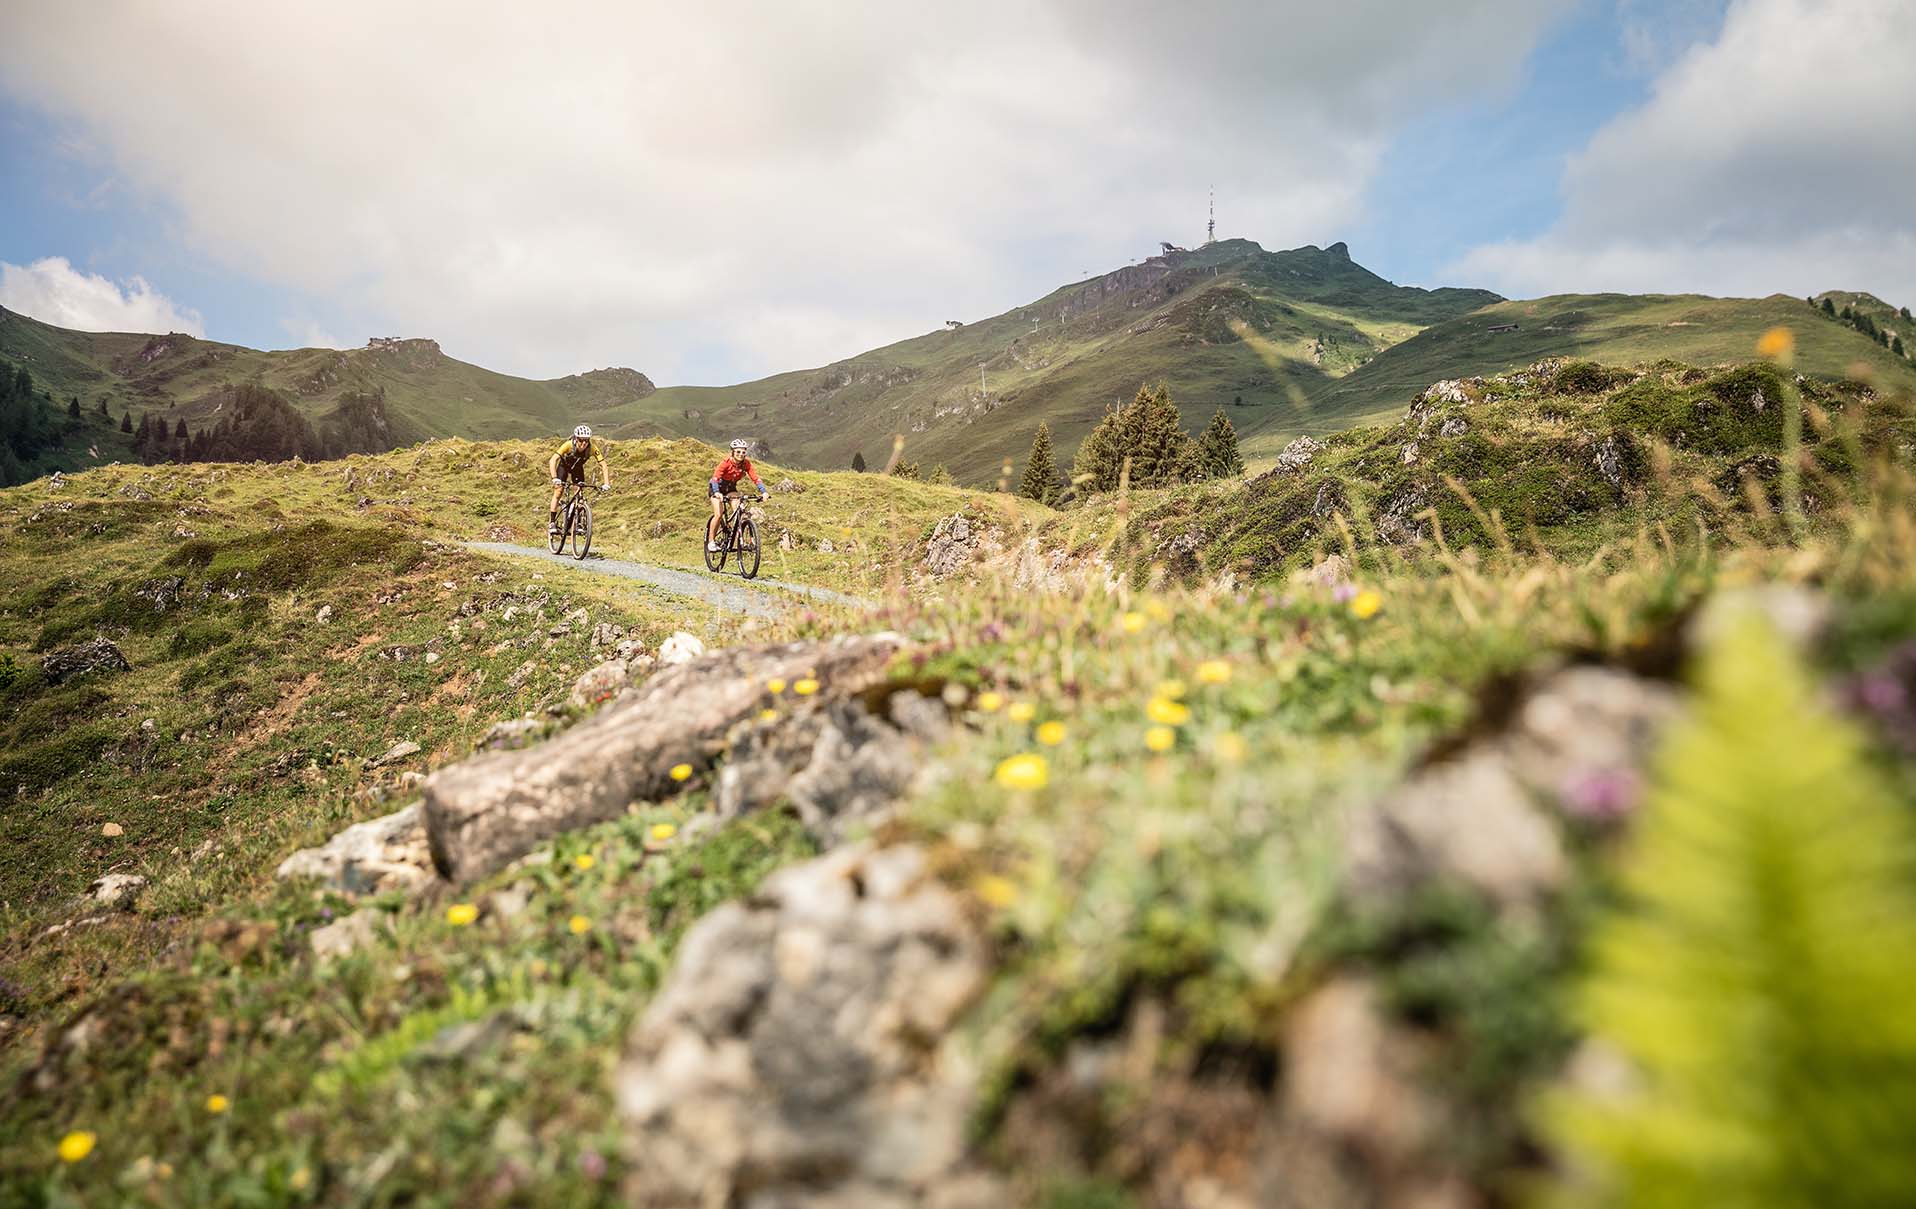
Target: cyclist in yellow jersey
[568, 466]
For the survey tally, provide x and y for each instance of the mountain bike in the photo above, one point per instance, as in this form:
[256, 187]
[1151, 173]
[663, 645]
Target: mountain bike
[737, 535]
[575, 522]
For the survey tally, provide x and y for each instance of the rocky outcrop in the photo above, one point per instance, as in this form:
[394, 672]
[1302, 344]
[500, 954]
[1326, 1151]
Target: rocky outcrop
[1297, 454]
[799, 1052]
[387, 853]
[83, 659]
[116, 889]
[489, 810]
[956, 542]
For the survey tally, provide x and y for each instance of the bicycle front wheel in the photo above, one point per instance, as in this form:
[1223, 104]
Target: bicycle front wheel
[582, 530]
[747, 547]
[555, 534]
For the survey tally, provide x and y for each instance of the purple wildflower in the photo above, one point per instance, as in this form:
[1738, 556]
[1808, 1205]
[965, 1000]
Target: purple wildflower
[1602, 795]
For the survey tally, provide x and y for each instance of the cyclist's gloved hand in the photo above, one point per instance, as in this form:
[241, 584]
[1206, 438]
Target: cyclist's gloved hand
[558, 483]
[762, 497]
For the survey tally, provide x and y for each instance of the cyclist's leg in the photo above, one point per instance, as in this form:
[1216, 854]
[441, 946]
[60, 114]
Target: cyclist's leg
[552, 508]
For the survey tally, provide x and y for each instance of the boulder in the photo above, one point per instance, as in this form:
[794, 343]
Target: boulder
[83, 659]
[1298, 454]
[116, 889]
[487, 811]
[799, 1053]
[344, 937]
[512, 734]
[392, 755]
[681, 647]
[600, 684]
[387, 853]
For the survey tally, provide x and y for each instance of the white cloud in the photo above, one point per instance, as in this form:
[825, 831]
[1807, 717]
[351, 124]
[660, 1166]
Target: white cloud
[736, 188]
[1778, 158]
[53, 291]
[308, 333]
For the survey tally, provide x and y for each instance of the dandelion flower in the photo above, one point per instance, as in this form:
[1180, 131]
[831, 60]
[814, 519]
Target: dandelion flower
[663, 831]
[681, 772]
[1027, 771]
[1365, 604]
[1166, 712]
[579, 925]
[990, 702]
[775, 686]
[217, 1104]
[1022, 711]
[1132, 623]
[77, 1145]
[461, 914]
[1051, 733]
[1777, 344]
[1214, 671]
[805, 687]
[768, 715]
[996, 891]
[1160, 738]
[1230, 748]
[301, 1177]
[583, 861]
[1174, 689]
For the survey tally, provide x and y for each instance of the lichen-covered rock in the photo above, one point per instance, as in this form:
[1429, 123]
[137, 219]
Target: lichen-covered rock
[1298, 454]
[116, 889]
[600, 684]
[681, 647]
[387, 853]
[799, 1054]
[83, 659]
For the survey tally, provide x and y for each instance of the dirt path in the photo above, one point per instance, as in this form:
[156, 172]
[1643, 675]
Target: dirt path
[727, 591]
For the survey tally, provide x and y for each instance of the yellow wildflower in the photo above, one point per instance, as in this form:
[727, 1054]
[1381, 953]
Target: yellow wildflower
[77, 1145]
[990, 702]
[217, 1104]
[461, 914]
[1230, 748]
[775, 686]
[1174, 689]
[301, 1177]
[1160, 738]
[1365, 604]
[1132, 623]
[579, 925]
[681, 772]
[583, 861]
[1027, 771]
[663, 831]
[997, 891]
[1051, 733]
[805, 687]
[1214, 671]
[1157, 610]
[768, 715]
[1022, 711]
[1166, 712]
[1777, 344]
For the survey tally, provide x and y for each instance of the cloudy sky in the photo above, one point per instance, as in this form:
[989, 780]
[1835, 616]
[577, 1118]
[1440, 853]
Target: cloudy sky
[711, 196]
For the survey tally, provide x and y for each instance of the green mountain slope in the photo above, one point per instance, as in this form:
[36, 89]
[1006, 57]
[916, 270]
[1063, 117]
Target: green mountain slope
[1226, 325]
[428, 394]
[1614, 329]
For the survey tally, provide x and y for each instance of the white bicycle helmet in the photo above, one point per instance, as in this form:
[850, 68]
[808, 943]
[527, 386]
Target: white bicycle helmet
[583, 432]
[740, 444]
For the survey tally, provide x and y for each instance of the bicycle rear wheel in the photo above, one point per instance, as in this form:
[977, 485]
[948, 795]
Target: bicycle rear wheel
[747, 547]
[581, 529]
[715, 559]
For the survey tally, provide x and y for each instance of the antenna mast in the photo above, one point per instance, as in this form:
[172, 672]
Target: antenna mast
[1210, 228]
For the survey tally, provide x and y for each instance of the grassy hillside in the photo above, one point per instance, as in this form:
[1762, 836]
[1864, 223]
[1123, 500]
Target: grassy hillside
[428, 394]
[1139, 805]
[1228, 325]
[1614, 329]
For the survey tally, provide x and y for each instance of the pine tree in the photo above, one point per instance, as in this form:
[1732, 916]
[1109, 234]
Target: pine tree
[103, 412]
[1040, 480]
[179, 429]
[1829, 308]
[1896, 346]
[905, 470]
[1907, 317]
[858, 461]
[126, 422]
[1147, 433]
[939, 475]
[1217, 455]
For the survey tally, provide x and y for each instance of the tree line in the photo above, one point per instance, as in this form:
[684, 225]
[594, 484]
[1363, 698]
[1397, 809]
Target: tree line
[1861, 322]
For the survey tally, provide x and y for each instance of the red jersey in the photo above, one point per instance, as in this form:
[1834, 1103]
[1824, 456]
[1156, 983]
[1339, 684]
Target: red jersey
[731, 470]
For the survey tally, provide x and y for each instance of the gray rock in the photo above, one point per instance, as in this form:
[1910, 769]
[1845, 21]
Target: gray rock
[799, 1054]
[1797, 613]
[606, 634]
[681, 647]
[1408, 455]
[346, 936]
[600, 684]
[1298, 454]
[83, 659]
[954, 543]
[324, 615]
[513, 734]
[387, 853]
[483, 813]
[116, 889]
[825, 546]
[1455, 426]
[1609, 461]
[394, 754]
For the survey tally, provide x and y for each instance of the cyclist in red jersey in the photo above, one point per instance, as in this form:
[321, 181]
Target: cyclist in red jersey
[725, 478]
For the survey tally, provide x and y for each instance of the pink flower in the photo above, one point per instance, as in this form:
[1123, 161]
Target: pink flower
[1602, 795]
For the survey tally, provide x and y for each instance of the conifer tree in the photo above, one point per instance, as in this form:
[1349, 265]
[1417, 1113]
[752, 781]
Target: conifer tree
[858, 461]
[1147, 433]
[73, 407]
[1829, 308]
[126, 422]
[103, 412]
[1896, 346]
[1040, 480]
[1218, 456]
